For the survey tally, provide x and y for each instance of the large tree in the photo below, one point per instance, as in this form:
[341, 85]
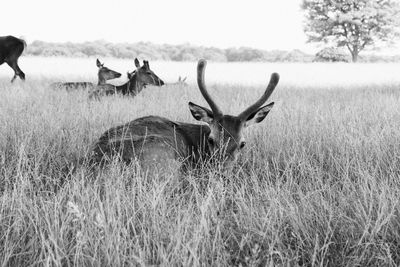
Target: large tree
[354, 24]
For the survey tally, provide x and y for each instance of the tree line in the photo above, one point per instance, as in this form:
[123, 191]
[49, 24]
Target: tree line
[182, 52]
[167, 52]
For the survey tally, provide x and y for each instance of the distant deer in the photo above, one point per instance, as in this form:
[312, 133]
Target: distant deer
[11, 49]
[157, 142]
[104, 74]
[138, 80]
[181, 82]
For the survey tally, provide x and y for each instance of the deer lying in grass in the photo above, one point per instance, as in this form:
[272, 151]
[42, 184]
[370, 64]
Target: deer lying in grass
[138, 80]
[156, 142]
[181, 82]
[104, 74]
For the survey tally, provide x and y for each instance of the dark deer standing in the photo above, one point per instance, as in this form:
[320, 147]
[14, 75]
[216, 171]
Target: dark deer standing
[11, 49]
[157, 142]
[104, 74]
[138, 80]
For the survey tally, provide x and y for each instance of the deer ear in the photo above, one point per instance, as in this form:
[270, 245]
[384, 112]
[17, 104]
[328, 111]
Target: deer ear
[201, 113]
[137, 63]
[184, 79]
[259, 115]
[98, 63]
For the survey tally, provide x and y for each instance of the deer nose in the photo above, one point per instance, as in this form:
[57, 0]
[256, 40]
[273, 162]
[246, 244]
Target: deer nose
[118, 75]
[161, 82]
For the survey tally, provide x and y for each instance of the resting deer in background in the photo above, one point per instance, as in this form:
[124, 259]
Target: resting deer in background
[104, 74]
[138, 80]
[156, 142]
[181, 82]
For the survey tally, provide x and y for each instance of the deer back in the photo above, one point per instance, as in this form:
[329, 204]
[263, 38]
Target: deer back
[129, 141]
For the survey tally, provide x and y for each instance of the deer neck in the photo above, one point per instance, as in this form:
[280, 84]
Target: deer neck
[130, 87]
[124, 89]
[101, 80]
[196, 136]
[134, 85]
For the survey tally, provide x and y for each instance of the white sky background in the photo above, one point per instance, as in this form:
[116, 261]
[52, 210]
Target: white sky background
[264, 24]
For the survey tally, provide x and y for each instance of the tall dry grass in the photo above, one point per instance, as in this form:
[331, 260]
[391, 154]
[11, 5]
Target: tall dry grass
[317, 184]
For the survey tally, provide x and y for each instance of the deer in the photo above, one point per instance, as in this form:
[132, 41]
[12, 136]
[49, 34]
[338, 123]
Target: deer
[137, 81]
[181, 82]
[11, 49]
[157, 142]
[104, 74]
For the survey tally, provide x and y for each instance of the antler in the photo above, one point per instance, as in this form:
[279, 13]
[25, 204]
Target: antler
[201, 65]
[270, 88]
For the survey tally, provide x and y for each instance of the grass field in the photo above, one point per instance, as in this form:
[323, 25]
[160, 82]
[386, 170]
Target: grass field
[317, 184]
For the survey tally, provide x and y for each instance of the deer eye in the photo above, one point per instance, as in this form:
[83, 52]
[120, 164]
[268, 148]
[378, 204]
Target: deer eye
[242, 144]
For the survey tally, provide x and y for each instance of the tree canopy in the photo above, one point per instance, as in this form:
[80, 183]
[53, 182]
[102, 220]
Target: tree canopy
[355, 24]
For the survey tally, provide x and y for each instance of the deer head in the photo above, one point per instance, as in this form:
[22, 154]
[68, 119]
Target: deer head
[145, 75]
[105, 74]
[226, 130]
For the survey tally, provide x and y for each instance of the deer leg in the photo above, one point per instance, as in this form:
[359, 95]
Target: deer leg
[17, 71]
[13, 79]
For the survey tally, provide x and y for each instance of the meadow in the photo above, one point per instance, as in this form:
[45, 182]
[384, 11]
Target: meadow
[317, 184]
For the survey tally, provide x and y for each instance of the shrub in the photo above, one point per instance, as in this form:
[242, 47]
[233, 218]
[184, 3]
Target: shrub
[331, 54]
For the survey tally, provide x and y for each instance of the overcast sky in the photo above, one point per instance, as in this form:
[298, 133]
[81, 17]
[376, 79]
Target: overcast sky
[274, 24]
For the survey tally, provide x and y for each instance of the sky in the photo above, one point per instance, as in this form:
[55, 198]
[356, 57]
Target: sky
[263, 24]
